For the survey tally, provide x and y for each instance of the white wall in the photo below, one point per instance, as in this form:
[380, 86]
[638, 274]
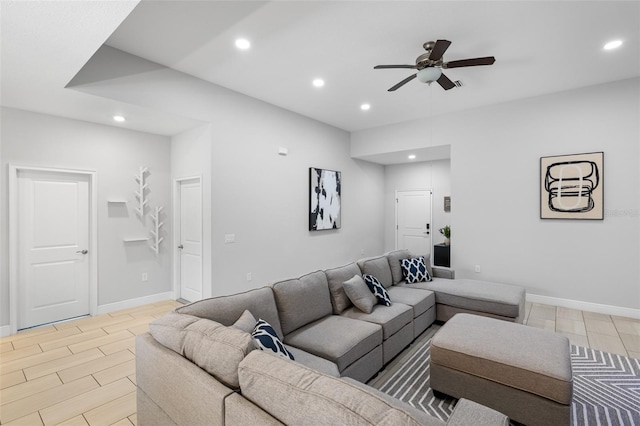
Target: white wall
[256, 194]
[263, 198]
[433, 175]
[31, 139]
[495, 218]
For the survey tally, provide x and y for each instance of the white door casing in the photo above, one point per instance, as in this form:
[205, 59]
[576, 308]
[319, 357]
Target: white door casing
[189, 239]
[413, 221]
[53, 276]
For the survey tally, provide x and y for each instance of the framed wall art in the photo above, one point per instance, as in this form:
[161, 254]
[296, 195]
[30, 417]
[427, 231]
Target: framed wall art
[325, 192]
[571, 186]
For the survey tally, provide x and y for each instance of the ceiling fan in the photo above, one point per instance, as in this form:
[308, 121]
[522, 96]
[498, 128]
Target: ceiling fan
[430, 65]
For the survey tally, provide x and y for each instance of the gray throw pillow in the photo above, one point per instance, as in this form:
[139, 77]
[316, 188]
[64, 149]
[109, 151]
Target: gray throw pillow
[246, 322]
[359, 294]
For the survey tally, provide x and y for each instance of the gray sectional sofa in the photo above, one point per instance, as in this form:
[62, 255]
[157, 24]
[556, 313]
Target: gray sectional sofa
[196, 366]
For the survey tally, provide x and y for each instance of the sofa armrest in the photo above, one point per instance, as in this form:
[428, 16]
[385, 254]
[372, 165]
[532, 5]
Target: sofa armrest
[471, 413]
[175, 388]
[443, 272]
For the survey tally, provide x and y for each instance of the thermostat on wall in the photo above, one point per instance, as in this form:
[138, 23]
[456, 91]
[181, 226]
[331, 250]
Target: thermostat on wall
[283, 151]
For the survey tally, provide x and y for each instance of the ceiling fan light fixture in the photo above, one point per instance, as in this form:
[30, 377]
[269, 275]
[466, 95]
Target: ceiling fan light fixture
[429, 74]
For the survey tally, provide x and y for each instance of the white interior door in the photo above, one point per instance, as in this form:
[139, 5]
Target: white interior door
[413, 221]
[190, 240]
[53, 242]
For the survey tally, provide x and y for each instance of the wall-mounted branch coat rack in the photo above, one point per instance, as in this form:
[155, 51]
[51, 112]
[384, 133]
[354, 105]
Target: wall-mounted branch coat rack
[157, 224]
[140, 178]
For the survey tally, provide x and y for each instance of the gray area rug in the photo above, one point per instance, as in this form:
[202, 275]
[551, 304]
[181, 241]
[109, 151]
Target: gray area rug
[606, 386]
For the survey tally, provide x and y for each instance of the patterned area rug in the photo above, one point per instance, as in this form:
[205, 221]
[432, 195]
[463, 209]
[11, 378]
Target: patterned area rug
[606, 386]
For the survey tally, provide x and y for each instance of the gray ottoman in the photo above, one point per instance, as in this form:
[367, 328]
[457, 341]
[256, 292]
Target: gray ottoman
[521, 371]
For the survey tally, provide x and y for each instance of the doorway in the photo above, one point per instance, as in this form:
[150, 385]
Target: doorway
[413, 221]
[189, 237]
[52, 246]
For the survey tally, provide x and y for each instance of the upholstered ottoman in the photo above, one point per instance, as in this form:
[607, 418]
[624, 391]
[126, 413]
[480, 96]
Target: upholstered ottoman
[521, 371]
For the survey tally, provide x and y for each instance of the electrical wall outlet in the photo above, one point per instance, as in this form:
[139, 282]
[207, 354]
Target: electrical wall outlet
[249, 276]
[229, 238]
[477, 269]
[144, 277]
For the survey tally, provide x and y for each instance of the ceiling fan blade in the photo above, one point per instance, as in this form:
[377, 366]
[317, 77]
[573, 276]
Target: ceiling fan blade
[487, 60]
[445, 82]
[379, 67]
[438, 50]
[402, 83]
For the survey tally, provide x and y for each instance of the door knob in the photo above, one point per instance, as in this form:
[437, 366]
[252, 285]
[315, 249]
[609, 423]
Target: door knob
[83, 251]
[180, 246]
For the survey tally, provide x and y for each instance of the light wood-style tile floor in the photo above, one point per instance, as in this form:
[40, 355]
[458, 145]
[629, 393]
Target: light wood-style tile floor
[82, 372]
[79, 372]
[609, 333]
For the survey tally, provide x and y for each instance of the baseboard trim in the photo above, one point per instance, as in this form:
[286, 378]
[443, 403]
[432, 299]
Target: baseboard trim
[5, 330]
[134, 303]
[585, 306]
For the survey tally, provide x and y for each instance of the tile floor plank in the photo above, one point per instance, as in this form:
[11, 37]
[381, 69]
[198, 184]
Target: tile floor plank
[61, 363]
[32, 419]
[75, 421]
[116, 372]
[128, 324]
[34, 340]
[66, 341]
[33, 360]
[113, 411]
[95, 343]
[607, 343]
[15, 410]
[29, 388]
[124, 344]
[6, 347]
[95, 366]
[11, 379]
[90, 400]
[25, 334]
[19, 353]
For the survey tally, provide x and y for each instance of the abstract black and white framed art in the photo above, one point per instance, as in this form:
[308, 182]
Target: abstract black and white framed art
[571, 186]
[325, 189]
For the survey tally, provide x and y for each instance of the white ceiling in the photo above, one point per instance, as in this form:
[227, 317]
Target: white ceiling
[540, 47]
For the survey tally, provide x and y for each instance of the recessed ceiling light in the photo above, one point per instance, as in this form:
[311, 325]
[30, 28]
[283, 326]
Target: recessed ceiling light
[118, 118]
[613, 44]
[318, 82]
[243, 43]
[365, 107]
[412, 157]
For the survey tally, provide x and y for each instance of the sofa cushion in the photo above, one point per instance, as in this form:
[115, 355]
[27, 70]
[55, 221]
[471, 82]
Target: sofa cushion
[420, 300]
[303, 300]
[266, 339]
[377, 289]
[390, 318]
[394, 258]
[313, 361]
[213, 347]
[298, 395]
[246, 322]
[359, 294]
[379, 268]
[335, 277]
[414, 270]
[338, 339]
[227, 309]
[481, 296]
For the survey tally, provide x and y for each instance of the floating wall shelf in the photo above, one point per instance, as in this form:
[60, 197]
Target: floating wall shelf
[157, 224]
[140, 192]
[117, 201]
[135, 239]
